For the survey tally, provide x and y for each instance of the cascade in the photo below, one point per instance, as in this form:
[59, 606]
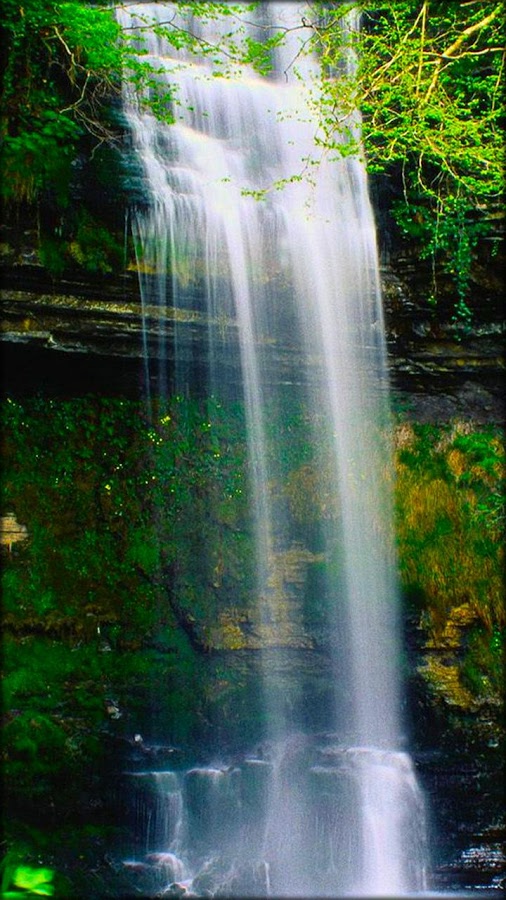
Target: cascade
[257, 243]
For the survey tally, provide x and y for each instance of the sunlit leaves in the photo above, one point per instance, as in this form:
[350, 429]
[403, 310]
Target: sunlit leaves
[93, 36]
[30, 880]
[429, 84]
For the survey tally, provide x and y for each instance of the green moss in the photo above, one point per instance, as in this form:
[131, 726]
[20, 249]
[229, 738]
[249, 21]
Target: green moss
[94, 247]
[450, 495]
[450, 514]
[52, 254]
[109, 568]
[483, 666]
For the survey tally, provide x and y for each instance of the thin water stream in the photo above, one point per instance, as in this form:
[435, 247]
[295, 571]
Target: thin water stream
[337, 813]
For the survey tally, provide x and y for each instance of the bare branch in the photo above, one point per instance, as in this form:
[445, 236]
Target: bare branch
[422, 48]
[462, 38]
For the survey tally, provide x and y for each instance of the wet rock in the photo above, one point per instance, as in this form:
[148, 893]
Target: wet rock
[170, 865]
[133, 866]
[479, 866]
[471, 400]
[176, 890]
[143, 878]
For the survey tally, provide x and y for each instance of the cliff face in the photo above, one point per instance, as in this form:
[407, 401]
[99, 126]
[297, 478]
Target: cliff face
[439, 369]
[70, 291]
[81, 332]
[441, 366]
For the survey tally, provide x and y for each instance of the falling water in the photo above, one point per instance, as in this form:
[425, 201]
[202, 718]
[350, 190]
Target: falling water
[245, 210]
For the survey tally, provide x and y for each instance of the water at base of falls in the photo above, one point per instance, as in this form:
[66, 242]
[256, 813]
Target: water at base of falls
[215, 831]
[297, 269]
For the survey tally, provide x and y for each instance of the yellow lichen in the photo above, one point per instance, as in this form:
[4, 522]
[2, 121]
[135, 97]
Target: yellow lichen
[446, 682]
[456, 462]
[404, 436]
[451, 635]
[11, 532]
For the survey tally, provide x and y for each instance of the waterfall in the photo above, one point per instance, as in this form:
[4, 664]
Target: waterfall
[250, 229]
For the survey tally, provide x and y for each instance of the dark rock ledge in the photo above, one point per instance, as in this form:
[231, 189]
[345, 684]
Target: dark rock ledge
[437, 373]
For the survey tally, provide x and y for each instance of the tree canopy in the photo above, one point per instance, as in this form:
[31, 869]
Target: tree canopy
[430, 85]
[61, 61]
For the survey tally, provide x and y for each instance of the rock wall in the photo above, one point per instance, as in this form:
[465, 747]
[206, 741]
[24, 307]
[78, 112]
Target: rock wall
[439, 369]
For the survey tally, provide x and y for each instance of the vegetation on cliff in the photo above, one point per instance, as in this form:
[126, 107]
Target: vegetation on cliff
[109, 501]
[450, 527]
[102, 598]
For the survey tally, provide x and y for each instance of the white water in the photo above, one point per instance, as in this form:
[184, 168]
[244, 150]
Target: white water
[298, 266]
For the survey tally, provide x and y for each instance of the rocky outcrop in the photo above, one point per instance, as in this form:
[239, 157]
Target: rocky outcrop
[443, 368]
[438, 371]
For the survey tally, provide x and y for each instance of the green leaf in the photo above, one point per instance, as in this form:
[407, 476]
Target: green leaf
[35, 881]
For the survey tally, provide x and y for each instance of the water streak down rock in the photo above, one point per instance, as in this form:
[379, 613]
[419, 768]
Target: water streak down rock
[301, 265]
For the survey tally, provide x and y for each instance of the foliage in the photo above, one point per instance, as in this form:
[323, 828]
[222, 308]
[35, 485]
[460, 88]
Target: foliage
[450, 530]
[483, 667]
[23, 881]
[61, 62]
[450, 513]
[105, 598]
[90, 245]
[62, 71]
[64, 63]
[97, 468]
[429, 84]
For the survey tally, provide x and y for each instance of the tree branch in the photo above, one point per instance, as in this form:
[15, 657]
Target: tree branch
[449, 54]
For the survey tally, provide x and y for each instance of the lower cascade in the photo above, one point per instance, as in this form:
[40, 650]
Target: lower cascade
[301, 819]
[259, 282]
